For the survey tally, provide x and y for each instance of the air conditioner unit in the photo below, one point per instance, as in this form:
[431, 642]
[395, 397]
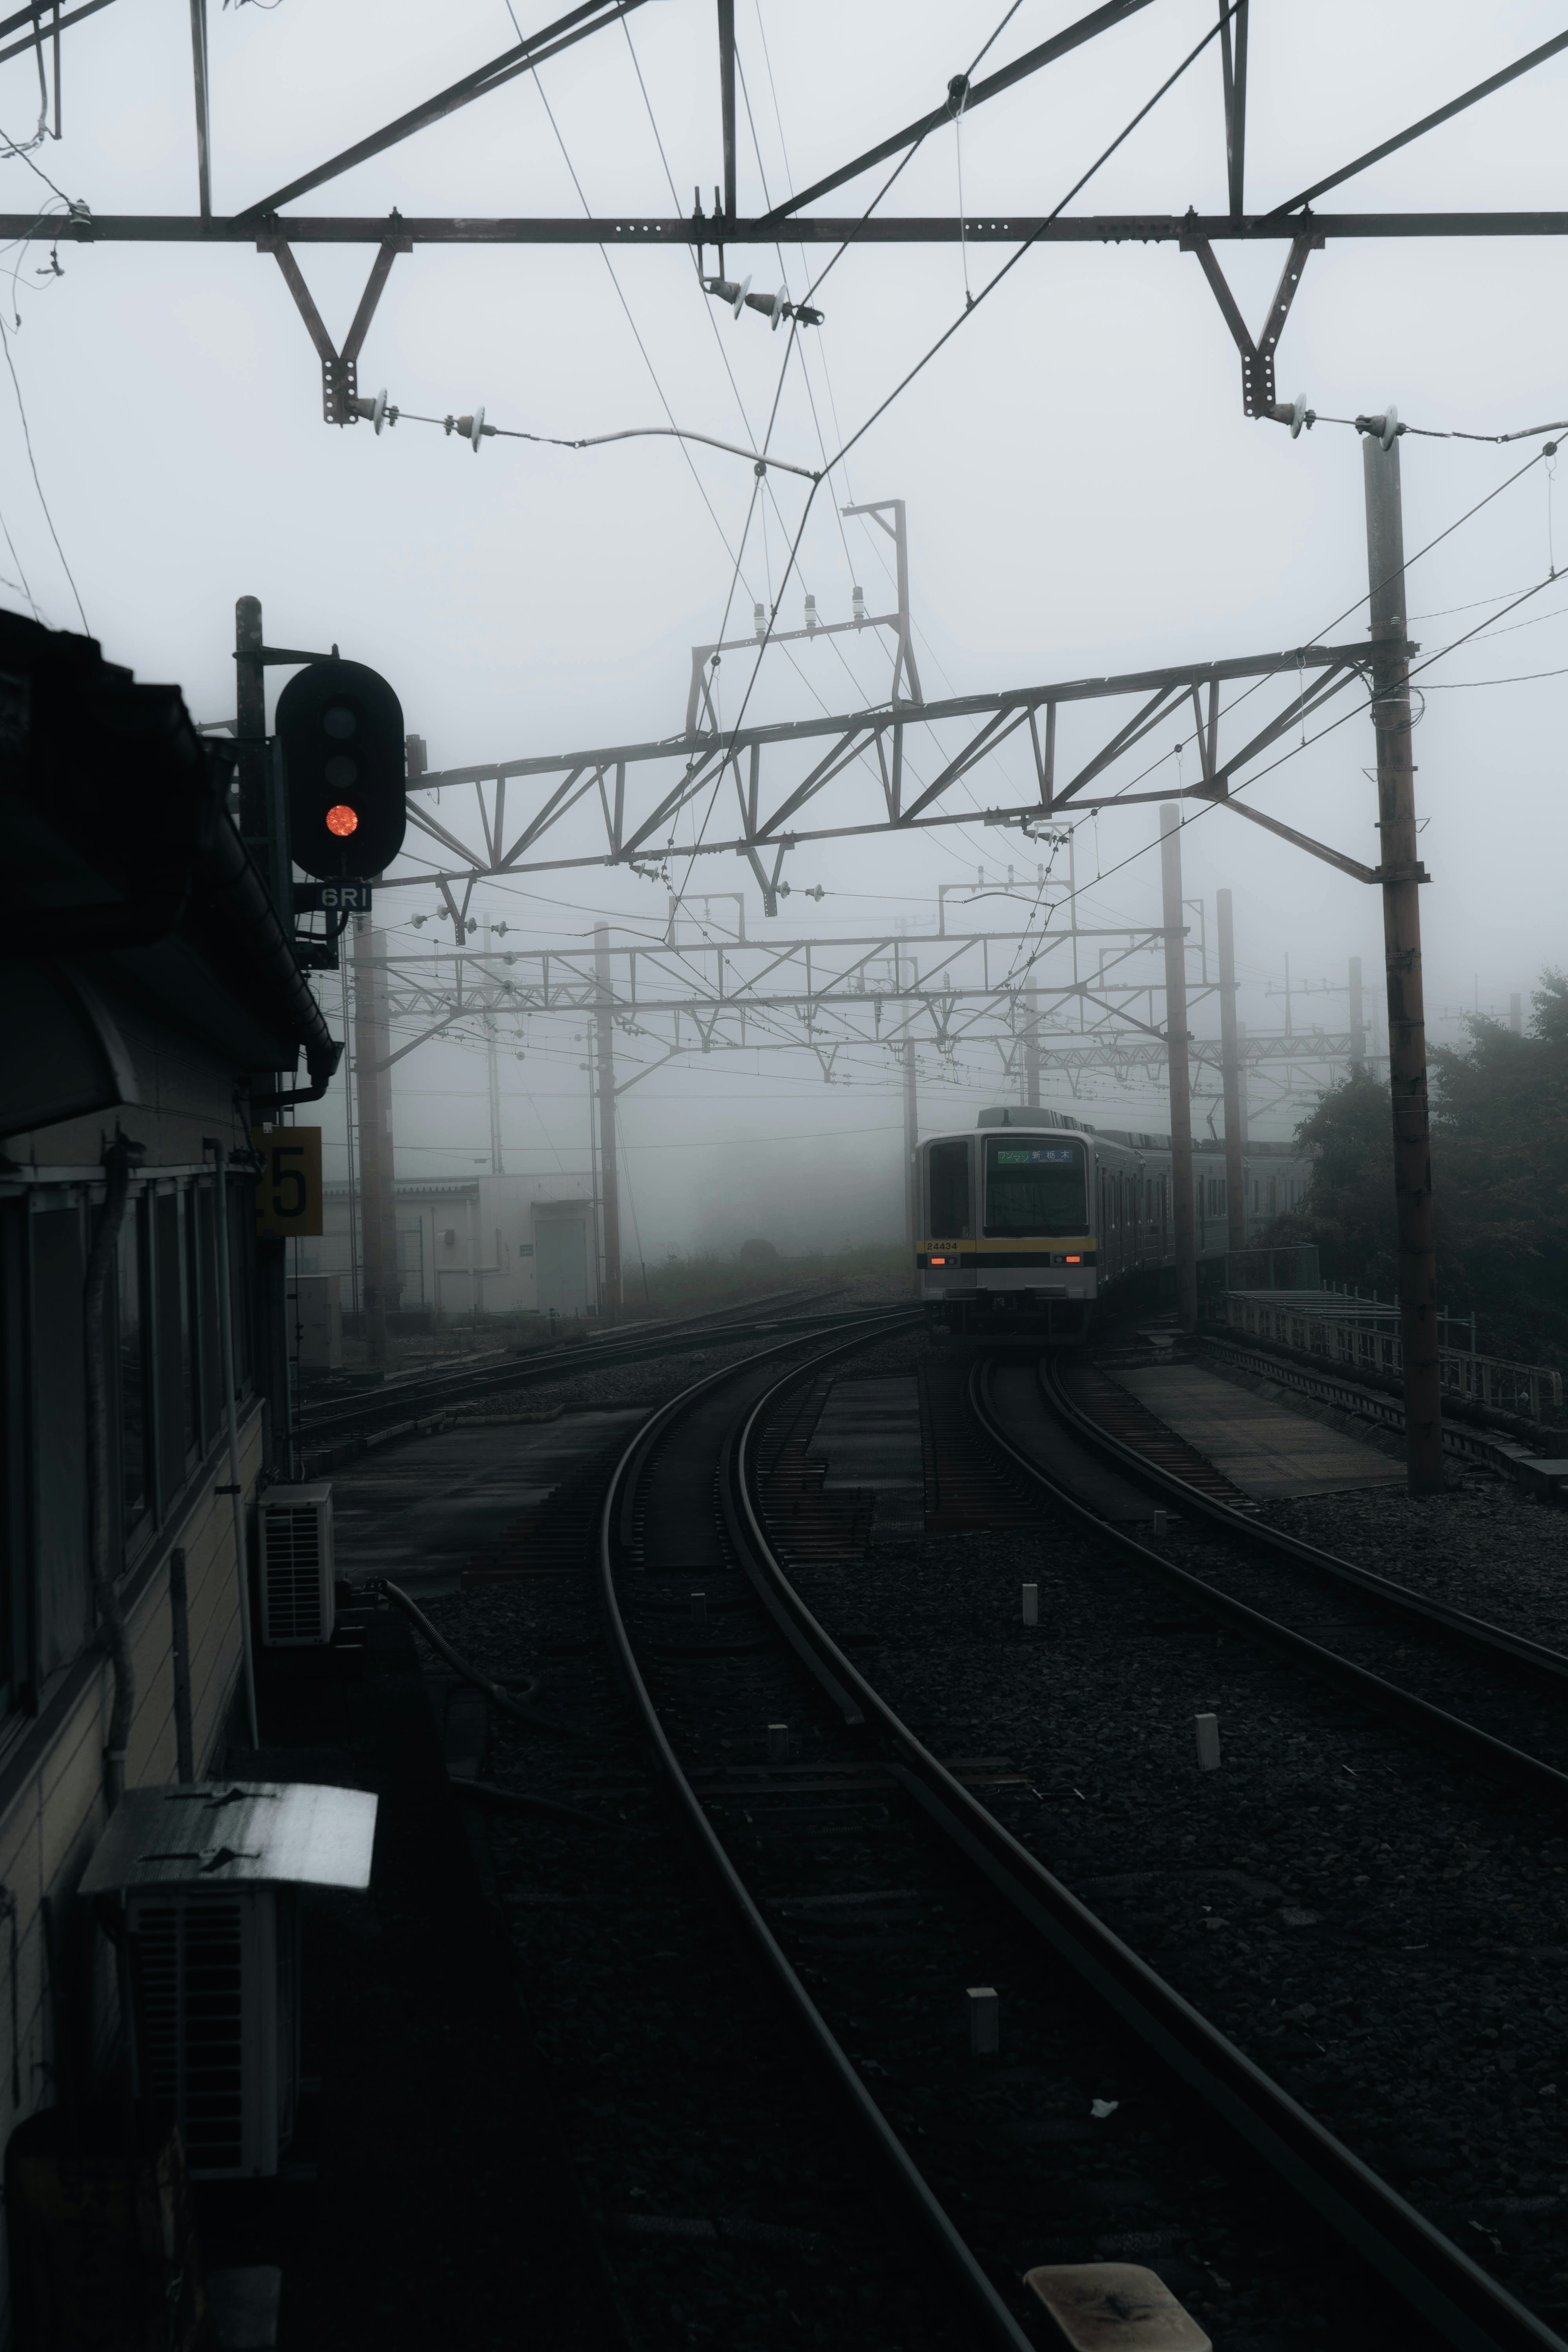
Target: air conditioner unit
[295, 1529]
[202, 1879]
[216, 1985]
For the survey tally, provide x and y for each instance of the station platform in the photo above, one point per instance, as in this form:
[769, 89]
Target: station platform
[1271, 1450]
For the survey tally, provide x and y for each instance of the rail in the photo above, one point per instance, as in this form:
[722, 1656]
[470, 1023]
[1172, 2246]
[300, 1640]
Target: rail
[1460, 2302]
[1370, 1342]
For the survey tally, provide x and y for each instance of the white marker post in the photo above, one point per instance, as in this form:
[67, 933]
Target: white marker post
[984, 2022]
[1206, 1729]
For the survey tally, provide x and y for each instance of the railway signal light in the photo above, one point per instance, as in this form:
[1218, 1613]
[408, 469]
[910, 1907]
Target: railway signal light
[340, 732]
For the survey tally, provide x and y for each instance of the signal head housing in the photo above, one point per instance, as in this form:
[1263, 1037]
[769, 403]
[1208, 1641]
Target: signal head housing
[340, 729]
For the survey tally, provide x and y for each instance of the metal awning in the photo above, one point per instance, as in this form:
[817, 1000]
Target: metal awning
[236, 1833]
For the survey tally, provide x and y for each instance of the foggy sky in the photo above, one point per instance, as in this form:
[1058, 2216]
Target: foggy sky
[1085, 494]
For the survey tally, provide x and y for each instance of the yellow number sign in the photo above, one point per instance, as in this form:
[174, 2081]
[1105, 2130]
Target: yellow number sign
[288, 1190]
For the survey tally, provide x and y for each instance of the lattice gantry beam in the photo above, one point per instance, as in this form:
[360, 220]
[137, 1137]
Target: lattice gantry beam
[895, 768]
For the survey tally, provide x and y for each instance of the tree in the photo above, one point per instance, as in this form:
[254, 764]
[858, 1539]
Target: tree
[1499, 1168]
[1501, 1185]
[1349, 1208]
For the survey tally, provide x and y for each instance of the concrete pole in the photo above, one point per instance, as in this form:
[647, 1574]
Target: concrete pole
[1032, 1048]
[609, 1179]
[379, 1290]
[1401, 871]
[1182, 1203]
[911, 1167]
[493, 1071]
[1230, 1078]
[250, 727]
[1358, 1017]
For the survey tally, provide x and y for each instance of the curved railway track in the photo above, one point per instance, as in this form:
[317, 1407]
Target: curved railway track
[1492, 1695]
[408, 1399]
[708, 1449]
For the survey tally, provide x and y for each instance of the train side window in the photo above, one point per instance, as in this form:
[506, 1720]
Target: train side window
[948, 1178]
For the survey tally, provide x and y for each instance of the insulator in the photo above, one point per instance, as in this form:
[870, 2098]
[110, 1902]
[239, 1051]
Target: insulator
[728, 289]
[811, 612]
[858, 602]
[760, 621]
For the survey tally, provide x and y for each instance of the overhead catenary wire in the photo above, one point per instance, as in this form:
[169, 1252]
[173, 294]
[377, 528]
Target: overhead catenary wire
[38, 485]
[599, 440]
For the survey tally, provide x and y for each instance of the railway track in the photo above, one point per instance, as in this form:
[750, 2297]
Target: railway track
[409, 1400]
[1340, 1620]
[747, 1822]
[875, 1875]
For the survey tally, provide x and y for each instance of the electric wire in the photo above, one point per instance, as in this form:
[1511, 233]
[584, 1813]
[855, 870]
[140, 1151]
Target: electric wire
[1029, 242]
[950, 331]
[38, 485]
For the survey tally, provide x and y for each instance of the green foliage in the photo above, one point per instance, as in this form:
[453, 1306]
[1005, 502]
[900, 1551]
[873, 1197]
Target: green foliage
[1500, 1172]
[1499, 1168]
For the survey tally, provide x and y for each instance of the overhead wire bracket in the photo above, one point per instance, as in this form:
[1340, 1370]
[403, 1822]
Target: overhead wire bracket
[1258, 396]
[340, 369]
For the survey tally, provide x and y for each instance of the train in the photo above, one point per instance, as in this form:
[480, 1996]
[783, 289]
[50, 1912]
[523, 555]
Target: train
[1030, 1219]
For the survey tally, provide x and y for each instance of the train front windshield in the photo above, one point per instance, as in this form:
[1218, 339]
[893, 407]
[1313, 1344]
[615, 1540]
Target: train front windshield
[1034, 1188]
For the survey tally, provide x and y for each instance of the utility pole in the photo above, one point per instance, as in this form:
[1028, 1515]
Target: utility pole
[492, 1074]
[1401, 874]
[250, 727]
[1230, 1078]
[609, 1183]
[379, 1290]
[1032, 1048]
[1182, 1203]
[1516, 1015]
[1358, 1017]
[911, 1165]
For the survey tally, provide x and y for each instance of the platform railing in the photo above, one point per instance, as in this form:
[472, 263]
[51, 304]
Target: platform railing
[1369, 1342]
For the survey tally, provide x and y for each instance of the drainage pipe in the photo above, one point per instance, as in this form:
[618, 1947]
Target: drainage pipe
[119, 1159]
[233, 1489]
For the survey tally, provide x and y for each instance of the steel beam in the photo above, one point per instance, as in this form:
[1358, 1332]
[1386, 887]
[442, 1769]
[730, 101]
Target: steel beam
[639, 839]
[627, 232]
[1427, 122]
[522, 57]
[1087, 28]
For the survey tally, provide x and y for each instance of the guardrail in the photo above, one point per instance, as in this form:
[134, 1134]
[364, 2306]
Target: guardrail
[1370, 1343]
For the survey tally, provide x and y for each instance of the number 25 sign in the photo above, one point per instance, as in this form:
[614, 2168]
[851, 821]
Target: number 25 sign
[289, 1189]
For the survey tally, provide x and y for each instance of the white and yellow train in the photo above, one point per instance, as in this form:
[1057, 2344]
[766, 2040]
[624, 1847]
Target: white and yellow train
[1036, 1217]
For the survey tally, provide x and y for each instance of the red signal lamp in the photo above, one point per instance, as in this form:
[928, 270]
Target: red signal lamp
[342, 820]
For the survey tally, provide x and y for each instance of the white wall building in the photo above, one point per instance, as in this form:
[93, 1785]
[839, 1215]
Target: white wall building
[490, 1245]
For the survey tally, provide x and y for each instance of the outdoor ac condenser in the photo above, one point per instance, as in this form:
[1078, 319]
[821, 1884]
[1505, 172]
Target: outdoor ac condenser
[295, 1524]
[208, 1873]
[216, 1976]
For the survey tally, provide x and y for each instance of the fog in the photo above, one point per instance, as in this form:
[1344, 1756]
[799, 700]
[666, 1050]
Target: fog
[1084, 495]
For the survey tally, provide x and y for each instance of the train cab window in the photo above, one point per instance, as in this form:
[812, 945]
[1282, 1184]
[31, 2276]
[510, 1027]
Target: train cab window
[949, 1181]
[1034, 1188]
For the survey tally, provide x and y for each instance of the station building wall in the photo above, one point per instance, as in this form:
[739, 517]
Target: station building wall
[168, 1463]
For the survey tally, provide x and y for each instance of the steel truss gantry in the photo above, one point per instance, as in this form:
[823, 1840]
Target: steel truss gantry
[264, 224]
[819, 995]
[629, 798]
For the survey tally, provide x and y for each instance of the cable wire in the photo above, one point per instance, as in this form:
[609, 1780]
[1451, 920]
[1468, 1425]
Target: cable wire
[26, 436]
